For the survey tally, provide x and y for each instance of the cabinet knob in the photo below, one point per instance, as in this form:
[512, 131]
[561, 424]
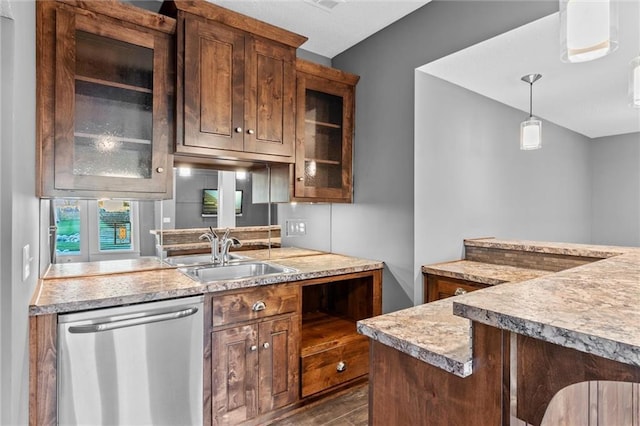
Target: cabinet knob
[250, 131]
[300, 179]
[266, 345]
[160, 170]
[259, 306]
[342, 366]
[460, 291]
[253, 348]
[238, 129]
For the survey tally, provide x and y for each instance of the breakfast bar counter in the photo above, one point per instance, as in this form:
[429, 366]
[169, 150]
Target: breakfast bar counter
[513, 346]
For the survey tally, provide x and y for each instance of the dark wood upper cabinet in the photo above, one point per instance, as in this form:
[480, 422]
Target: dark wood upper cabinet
[324, 134]
[235, 86]
[104, 103]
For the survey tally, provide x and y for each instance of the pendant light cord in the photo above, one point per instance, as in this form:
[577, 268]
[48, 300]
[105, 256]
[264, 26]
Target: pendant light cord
[530, 99]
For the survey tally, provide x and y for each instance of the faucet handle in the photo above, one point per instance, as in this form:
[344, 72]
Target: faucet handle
[235, 243]
[226, 233]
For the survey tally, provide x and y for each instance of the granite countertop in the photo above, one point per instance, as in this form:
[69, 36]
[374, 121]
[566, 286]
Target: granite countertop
[593, 308]
[582, 250]
[274, 242]
[485, 273]
[429, 332]
[75, 293]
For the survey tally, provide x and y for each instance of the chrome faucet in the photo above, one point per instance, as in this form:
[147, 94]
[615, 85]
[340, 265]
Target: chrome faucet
[225, 245]
[220, 246]
[212, 237]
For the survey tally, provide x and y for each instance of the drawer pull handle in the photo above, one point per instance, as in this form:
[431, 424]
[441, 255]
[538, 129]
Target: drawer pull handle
[341, 367]
[259, 306]
[253, 348]
[265, 345]
[460, 291]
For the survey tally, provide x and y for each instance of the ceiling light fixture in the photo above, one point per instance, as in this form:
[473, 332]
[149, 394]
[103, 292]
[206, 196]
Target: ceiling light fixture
[588, 29]
[531, 129]
[634, 83]
[326, 5]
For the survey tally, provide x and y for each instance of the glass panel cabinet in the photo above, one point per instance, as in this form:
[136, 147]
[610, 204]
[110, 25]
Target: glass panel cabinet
[323, 170]
[107, 124]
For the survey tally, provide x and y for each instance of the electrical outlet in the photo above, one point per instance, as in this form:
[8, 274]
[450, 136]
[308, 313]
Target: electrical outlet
[26, 262]
[166, 220]
[296, 227]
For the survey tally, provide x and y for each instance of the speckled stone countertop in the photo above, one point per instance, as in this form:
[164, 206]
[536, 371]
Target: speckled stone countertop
[582, 250]
[485, 273]
[593, 308]
[68, 294]
[429, 332]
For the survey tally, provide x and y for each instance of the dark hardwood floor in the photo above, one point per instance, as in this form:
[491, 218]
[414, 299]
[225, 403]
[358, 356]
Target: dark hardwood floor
[346, 409]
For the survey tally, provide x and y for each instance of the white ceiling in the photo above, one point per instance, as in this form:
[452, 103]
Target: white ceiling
[329, 32]
[590, 98]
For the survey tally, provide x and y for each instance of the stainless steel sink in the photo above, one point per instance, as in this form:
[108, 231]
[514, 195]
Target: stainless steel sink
[233, 271]
[198, 259]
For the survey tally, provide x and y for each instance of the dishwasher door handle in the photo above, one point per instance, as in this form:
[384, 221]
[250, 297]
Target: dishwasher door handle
[112, 325]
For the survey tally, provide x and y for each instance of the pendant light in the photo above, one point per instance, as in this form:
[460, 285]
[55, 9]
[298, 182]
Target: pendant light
[588, 29]
[531, 129]
[634, 83]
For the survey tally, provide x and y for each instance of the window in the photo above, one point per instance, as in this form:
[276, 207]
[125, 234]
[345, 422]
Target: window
[90, 230]
[114, 225]
[67, 216]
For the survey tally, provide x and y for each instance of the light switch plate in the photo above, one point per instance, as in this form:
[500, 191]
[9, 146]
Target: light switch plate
[296, 227]
[26, 262]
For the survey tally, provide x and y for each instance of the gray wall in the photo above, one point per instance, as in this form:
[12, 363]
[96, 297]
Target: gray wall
[615, 165]
[379, 224]
[472, 179]
[19, 208]
[317, 219]
[313, 57]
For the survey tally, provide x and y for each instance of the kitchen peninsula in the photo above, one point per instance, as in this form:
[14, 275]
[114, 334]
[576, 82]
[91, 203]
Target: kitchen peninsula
[499, 355]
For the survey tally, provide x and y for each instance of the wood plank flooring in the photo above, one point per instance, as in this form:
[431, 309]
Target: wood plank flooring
[346, 409]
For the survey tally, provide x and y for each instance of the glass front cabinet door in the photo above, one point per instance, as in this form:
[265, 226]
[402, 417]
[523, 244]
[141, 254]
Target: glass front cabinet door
[110, 109]
[324, 133]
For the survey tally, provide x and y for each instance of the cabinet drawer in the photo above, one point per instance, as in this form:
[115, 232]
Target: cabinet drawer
[437, 287]
[254, 303]
[320, 371]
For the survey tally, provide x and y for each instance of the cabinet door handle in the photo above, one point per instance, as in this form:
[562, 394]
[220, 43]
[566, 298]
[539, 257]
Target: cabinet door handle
[238, 129]
[253, 348]
[259, 306]
[300, 179]
[250, 131]
[266, 345]
[342, 366]
[160, 170]
[460, 291]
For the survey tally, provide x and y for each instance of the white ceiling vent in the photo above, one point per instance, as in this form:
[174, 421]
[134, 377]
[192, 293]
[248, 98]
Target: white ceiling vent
[326, 5]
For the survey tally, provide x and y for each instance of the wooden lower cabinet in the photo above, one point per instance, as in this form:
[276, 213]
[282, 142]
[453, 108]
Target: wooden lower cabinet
[438, 287]
[255, 341]
[254, 369]
[301, 343]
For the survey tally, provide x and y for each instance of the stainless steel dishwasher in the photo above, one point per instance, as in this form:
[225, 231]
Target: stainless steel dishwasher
[132, 365]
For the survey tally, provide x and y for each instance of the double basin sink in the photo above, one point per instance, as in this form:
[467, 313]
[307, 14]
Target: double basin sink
[200, 268]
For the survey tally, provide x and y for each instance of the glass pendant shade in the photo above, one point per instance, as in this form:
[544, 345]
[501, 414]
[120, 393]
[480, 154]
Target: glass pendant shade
[634, 83]
[588, 29]
[531, 134]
